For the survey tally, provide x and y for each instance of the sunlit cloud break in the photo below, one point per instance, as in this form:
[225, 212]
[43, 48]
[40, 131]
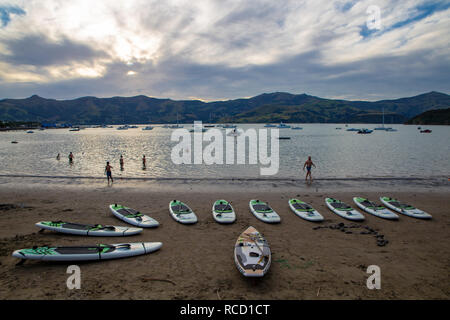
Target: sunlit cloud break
[222, 49]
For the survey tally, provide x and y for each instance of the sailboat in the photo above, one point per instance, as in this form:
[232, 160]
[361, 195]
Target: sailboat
[383, 127]
[175, 126]
[210, 125]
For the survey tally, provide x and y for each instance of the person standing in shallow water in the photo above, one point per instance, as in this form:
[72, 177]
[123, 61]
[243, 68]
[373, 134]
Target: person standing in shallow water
[308, 165]
[108, 172]
[121, 162]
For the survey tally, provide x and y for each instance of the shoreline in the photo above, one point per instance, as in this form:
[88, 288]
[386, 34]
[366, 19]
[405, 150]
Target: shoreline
[375, 178]
[224, 185]
[198, 259]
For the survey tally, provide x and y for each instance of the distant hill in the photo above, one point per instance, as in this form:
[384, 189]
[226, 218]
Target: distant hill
[268, 107]
[439, 117]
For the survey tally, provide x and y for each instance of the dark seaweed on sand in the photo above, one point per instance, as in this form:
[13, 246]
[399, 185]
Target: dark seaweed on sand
[381, 241]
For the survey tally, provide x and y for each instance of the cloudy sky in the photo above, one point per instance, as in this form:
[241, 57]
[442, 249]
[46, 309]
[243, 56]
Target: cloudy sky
[221, 49]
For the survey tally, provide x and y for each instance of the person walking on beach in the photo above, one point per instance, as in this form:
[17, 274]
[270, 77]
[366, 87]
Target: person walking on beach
[308, 165]
[121, 162]
[58, 157]
[71, 158]
[144, 161]
[108, 172]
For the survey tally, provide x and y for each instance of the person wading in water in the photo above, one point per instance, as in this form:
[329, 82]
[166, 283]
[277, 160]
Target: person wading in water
[108, 172]
[121, 163]
[308, 165]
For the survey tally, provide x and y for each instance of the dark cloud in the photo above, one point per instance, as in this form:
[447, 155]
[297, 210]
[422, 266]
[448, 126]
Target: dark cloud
[371, 79]
[38, 50]
[183, 41]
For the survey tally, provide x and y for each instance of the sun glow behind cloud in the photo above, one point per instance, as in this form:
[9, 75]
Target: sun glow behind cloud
[212, 49]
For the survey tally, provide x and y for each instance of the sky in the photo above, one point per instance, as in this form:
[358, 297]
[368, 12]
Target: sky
[224, 49]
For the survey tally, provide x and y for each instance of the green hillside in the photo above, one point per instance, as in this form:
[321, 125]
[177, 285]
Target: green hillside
[438, 117]
[268, 107]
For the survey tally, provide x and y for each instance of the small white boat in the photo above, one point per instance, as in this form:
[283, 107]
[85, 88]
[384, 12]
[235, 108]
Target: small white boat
[283, 126]
[229, 126]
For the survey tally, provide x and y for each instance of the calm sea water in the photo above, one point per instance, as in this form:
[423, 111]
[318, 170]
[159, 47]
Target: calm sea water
[337, 153]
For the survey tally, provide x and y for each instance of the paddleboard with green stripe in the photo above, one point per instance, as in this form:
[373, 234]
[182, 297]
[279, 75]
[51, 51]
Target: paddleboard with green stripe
[133, 216]
[181, 212]
[89, 252]
[88, 229]
[374, 208]
[344, 210]
[223, 212]
[404, 208]
[304, 210]
[263, 211]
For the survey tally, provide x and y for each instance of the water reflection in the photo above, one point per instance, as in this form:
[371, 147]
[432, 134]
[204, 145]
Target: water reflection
[337, 153]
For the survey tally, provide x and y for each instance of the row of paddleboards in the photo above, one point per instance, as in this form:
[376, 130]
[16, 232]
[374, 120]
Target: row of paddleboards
[223, 212]
[382, 210]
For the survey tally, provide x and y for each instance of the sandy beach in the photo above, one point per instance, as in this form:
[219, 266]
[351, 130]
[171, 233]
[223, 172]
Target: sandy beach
[196, 262]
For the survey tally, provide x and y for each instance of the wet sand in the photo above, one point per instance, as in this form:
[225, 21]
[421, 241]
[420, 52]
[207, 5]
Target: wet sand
[196, 262]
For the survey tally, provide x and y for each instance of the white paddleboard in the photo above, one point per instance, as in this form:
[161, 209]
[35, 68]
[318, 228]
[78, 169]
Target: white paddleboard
[374, 208]
[252, 253]
[223, 212]
[404, 208]
[343, 210]
[132, 216]
[88, 229]
[304, 210]
[181, 212]
[263, 211]
[84, 253]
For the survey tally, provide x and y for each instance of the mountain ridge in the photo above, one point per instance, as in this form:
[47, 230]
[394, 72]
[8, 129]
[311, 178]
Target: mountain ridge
[266, 107]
